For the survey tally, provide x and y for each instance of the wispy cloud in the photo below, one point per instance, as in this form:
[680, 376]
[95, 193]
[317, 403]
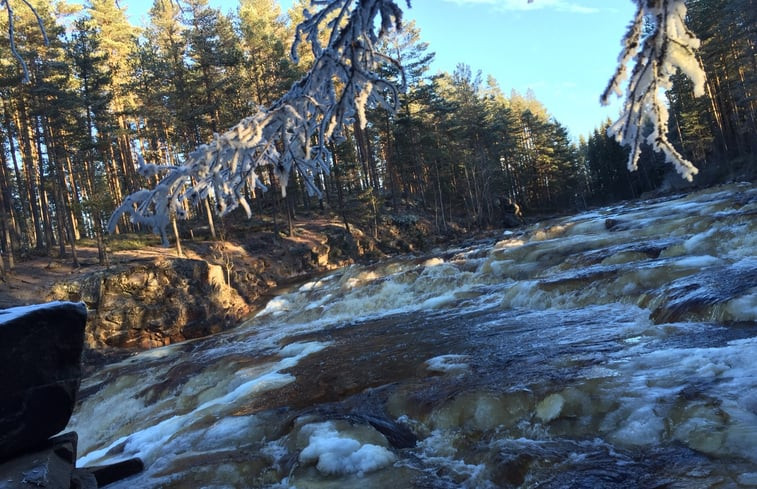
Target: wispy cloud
[523, 5]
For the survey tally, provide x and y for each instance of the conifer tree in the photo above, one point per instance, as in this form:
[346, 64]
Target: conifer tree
[89, 63]
[265, 40]
[117, 43]
[668, 44]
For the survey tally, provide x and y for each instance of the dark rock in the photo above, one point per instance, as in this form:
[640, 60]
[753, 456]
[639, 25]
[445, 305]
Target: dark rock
[40, 358]
[512, 469]
[512, 216]
[115, 472]
[611, 224]
[50, 465]
[83, 479]
[398, 435]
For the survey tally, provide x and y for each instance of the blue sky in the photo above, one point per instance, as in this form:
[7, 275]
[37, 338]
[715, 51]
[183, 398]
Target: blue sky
[564, 50]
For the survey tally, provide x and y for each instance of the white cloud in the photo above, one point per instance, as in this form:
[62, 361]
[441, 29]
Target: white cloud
[522, 5]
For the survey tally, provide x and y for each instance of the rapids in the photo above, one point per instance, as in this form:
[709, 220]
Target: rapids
[612, 349]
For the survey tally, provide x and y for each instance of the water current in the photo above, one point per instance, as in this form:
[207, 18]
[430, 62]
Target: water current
[612, 349]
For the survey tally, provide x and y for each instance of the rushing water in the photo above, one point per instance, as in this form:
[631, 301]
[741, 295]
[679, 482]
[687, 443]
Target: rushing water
[613, 349]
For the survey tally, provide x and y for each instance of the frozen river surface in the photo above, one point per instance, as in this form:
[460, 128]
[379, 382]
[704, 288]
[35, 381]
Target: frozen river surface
[612, 349]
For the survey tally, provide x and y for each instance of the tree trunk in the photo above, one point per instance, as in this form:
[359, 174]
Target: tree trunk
[209, 215]
[340, 199]
[6, 212]
[30, 181]
[179, 251]
[43, 195]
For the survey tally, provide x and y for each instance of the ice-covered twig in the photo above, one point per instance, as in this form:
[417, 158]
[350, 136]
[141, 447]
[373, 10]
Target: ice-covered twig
[669, 45]
[293, 133]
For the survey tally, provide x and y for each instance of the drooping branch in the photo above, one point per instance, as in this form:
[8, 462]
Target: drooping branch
[293, 133]
[12, 34]
[669, 45]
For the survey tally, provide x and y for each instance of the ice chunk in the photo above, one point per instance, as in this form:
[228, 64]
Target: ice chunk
[550, 407]
[447, 363]
[335, 454]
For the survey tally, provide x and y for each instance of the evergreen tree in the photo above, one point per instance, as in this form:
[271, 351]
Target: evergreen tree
[268, 70]
[117, 42]
[212, 49]
[94, 99]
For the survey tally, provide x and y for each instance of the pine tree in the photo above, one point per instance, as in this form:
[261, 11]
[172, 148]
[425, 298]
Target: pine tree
[265, 37]
[94, 98]
[117, 42]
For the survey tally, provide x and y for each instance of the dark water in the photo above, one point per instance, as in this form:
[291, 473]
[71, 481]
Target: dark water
[613, 349]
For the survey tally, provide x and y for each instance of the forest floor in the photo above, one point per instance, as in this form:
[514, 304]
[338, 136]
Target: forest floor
[33, 277]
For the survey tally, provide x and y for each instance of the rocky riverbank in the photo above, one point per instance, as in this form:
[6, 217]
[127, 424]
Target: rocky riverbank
[152, 297]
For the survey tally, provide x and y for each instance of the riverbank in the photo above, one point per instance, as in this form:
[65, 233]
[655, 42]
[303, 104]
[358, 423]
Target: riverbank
[150, 296]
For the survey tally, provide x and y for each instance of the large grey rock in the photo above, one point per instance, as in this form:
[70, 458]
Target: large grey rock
[40, 366]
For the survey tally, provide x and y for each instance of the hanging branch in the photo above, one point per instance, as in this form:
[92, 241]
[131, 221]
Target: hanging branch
[293, 133]
[12, 34]
[669, 45]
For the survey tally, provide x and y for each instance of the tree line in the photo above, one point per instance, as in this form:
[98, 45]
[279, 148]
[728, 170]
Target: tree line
[459, 149]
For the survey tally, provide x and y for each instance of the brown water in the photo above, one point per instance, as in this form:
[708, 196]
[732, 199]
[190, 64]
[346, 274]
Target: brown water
[616, 348]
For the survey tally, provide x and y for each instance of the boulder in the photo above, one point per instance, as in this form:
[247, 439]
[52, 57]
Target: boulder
[40, 361]
[51, 465]
[151, 303]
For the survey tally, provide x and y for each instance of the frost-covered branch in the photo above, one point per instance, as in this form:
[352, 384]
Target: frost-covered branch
[12, 33]
[293, 133]
[668, 45]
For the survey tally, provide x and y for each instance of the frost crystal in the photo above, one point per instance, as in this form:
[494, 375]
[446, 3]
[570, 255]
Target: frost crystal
[668, 45]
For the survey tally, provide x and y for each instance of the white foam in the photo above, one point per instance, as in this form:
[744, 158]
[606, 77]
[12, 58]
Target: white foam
[433, 262]
[226, 428]
[744, 308]
[550, 407]
[335, 454]
[701, 241]
[438, 449]
[642, 427]
[276, 307]
[150, 441]
[697, 262]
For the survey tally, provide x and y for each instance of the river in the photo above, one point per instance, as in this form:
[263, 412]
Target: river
[612, 349]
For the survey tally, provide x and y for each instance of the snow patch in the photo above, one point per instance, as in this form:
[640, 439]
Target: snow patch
[7, 315]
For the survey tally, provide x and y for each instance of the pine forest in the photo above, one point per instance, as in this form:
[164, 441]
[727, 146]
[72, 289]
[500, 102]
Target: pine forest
[459, 149]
